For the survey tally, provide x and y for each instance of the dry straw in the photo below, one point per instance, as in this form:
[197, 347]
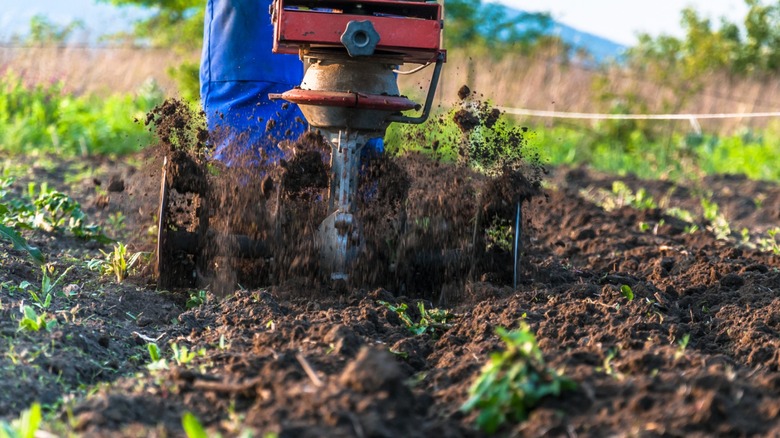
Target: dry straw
[544, 81]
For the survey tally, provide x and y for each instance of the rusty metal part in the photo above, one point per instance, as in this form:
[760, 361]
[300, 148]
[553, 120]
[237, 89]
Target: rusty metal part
[176, 264]
[346, 99]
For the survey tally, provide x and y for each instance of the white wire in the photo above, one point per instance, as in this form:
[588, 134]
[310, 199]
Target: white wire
[597, 116]
[412, 71]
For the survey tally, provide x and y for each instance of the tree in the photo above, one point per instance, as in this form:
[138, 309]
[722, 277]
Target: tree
[44, 32]
[753, 47]
[176, 24]
[471, 22]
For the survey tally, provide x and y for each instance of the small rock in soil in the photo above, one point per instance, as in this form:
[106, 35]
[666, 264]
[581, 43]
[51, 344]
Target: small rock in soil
[371, 371]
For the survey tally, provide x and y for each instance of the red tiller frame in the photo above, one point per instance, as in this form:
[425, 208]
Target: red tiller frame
[410, 30]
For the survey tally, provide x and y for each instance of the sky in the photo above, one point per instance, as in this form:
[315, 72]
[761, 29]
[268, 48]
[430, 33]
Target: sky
[617, 20]
[621, 20]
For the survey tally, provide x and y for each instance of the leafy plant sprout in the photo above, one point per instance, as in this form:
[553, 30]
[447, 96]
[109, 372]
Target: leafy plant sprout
[607, 367]
[718, 224]
[45, 209]
[513, 381]
[771, 243]
[116, 221]
[196, 299]
[116, 262]
[433, 320]
[627, 292]
[33, 322]
[682, 344]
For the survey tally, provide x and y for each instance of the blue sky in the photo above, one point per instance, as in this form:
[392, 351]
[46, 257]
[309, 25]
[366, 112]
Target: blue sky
[618, 20]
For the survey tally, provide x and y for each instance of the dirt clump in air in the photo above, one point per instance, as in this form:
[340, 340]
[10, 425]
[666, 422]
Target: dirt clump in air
[464, 92]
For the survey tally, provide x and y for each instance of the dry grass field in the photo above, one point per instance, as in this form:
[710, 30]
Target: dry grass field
[542, 81]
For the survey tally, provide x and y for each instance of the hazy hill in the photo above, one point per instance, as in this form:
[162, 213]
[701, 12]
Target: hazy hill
[600, 48]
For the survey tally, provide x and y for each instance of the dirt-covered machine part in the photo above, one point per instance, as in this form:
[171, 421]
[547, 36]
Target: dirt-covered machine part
[351, 51]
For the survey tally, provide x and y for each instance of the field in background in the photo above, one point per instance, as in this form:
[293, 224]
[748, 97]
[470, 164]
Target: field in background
[541, 82]
[545, 82]
[88, 70]
[650, 149]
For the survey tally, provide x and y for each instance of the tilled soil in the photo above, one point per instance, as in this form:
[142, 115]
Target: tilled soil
[310, 360]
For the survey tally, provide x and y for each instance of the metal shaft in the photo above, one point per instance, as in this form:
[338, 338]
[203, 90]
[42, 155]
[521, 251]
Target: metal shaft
[340, 234]
[516, 252]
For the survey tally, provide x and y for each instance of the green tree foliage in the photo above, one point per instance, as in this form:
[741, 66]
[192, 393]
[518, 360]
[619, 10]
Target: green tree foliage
[750, 47]
[176, 24]
[44, 32]
[472, 22]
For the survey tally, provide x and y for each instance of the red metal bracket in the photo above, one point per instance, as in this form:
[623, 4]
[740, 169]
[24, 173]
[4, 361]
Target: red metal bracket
[346, 100]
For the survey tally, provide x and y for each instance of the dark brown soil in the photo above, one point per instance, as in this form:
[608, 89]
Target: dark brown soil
[695, 353]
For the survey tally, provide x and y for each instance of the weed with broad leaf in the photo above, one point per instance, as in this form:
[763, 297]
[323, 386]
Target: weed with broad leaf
[434, 321]
[32, 321]
[513, 381]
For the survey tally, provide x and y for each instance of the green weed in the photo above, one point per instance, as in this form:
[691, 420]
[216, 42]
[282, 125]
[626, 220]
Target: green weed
[192, 426]
[621, 195]
[182, 355]
[116, 221]
[513, 381]
[179, 354]
[434, 321]
[157, 362]
[680, 213]
[20, 242]
[607, 367]
[682, 344]
[196, 299]
[33, 322]
[26, 426]
[116, 262]
[44, 118]
[46, 209]
[42, 299]
[770, 243]
[718, 224]
[627, 292]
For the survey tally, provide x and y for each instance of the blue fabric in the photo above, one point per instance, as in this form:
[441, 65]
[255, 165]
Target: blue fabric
[238, 70]
[237, 42]
[374, 148]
